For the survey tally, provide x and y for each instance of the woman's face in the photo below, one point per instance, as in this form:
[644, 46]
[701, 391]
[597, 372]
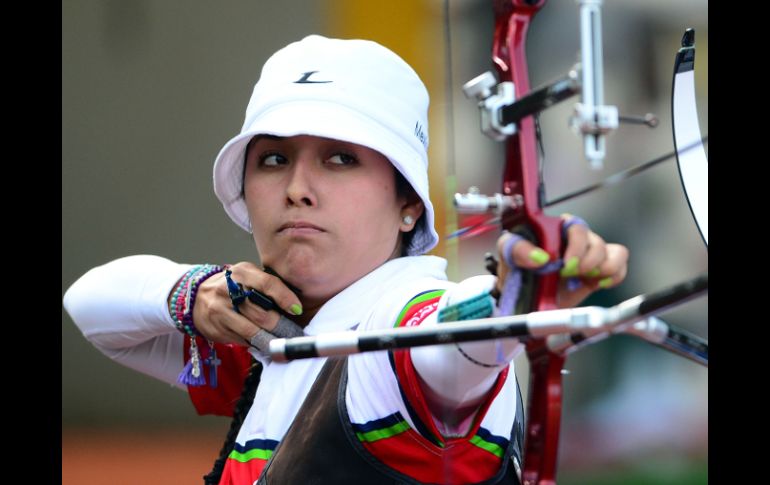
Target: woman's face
[324, 212]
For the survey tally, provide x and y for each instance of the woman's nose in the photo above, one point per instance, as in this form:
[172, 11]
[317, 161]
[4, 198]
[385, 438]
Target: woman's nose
[299, 191]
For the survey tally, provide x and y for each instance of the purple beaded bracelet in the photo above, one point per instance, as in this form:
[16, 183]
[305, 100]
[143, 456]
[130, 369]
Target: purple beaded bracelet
[192, 293]
[191, 374]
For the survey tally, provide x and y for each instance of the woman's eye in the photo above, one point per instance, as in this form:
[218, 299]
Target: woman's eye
[271, 160]
[343, 159]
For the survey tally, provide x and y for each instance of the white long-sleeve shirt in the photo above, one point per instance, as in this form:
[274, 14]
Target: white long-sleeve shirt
[121, 307]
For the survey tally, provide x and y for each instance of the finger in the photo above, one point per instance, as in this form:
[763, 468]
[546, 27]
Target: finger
[577, 246]
[258, 315]
[614, 268]
[220, 333]
[232, 327]
[570, 298]
[227, 336]
[594, 257]
[523, 253]
[250, 276]
[611, 272]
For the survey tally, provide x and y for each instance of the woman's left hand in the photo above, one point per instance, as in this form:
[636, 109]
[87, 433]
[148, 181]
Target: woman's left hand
[598, 264]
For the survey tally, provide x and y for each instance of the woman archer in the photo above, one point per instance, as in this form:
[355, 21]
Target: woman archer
[330, 176]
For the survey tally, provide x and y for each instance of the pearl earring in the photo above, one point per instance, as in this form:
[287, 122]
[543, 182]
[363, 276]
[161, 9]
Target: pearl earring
[407, 219]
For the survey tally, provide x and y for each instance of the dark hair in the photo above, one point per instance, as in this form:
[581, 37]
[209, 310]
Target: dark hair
[239, 414]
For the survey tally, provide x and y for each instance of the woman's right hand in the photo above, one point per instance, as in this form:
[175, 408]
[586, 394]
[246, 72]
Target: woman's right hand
[215, 318]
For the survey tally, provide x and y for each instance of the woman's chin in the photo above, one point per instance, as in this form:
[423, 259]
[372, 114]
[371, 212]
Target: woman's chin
[317, 286]
[316, 275]
[304, 274]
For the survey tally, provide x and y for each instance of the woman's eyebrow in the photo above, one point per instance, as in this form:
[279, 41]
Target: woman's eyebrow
[264, 137]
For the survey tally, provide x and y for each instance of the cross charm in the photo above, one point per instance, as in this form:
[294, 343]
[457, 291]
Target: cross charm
[212, 361]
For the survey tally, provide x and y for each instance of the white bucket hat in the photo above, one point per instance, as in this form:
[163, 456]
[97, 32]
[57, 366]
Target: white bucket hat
[351, 90]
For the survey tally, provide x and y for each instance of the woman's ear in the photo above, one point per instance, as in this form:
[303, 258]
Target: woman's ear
[411, 212]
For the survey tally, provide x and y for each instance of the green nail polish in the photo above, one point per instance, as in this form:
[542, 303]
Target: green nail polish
[570, 267]
[593, 273]
[606, 282]
[538, 256]
[296, 309]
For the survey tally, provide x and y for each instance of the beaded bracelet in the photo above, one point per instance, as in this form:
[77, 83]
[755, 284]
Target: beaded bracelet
[174, 301]
[180, 303]
[183, 311]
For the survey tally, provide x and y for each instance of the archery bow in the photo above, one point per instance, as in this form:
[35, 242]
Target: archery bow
[521, 181]
[520, 206]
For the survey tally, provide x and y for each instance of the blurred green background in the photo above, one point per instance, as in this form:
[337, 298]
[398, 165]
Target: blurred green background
[152, 90]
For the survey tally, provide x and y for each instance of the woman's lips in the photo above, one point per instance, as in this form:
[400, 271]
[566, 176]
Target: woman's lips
[298, 228]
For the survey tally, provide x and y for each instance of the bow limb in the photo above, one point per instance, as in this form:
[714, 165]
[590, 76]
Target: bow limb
[521, 175]
[692, 162]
